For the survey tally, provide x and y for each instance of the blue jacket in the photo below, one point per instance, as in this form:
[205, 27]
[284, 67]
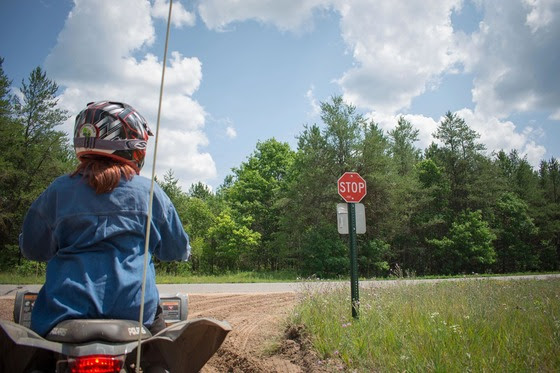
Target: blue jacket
[94, 245]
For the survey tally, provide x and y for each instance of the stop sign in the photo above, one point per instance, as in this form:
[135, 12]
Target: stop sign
[351, 187]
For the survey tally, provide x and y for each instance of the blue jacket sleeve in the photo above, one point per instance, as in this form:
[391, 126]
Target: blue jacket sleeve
[36, 240]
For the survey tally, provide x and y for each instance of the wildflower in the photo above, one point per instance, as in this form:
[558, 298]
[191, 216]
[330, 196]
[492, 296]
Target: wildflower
[335, 353]
[345, 325]
[433, 315]
[456, 328]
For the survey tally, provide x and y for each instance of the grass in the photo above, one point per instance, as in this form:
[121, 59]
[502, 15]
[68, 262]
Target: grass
[475, 325]
[36, 277]
[17, 279]
[233, 277]
[237, 277]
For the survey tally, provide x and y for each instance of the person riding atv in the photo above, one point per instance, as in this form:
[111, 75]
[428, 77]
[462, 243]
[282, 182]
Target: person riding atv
[90, 226]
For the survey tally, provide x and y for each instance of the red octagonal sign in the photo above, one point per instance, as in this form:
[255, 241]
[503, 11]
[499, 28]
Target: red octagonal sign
[352, 187]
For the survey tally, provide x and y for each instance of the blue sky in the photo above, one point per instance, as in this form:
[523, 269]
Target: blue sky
[243, 71]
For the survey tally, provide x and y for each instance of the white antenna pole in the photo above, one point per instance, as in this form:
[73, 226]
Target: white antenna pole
[149, 218]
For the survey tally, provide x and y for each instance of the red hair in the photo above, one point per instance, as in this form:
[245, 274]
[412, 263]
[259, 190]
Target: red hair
[103, 174]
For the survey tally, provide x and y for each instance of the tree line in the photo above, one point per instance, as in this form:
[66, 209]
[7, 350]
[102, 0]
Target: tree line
[448, 209]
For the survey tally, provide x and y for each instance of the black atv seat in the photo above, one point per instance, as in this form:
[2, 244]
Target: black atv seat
[88, 330]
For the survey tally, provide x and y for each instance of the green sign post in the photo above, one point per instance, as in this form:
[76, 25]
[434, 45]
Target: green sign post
[355, 291]
[352, 188]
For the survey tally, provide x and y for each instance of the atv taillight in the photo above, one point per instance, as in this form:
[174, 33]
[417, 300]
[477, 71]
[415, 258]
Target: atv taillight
[96, 364]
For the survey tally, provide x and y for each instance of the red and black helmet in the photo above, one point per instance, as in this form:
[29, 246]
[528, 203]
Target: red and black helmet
[112, 129]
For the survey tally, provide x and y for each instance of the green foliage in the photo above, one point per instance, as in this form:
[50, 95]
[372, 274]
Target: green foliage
[468, 247]
[547, 213]
[170, 185]
[10, 261]
[5, 105]
[550, 179]
[254, 193]
[516, 243]
[518, 176]
[232, 243]
[200, 190]
[324, 254]
[198, 218]
[402, 149]
[458, 156]
[373, 258]
[459, 141]
[32, 152]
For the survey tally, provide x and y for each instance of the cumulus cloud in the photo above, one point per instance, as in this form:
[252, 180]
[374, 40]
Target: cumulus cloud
[179, 150]
[96, 58]
[90, 45]
[401, 48]
[179, 16]
[287, 15]
[504, 135]
[515, 57]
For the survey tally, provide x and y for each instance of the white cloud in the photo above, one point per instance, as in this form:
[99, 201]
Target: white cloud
[231, 132]
[512, 64]
[514, 56]
[315, 107]
[179, 15]
[498, 134]
[287, 15]
[541, 13]
[90, 45]
[534, 153]
[426, 126]
[494, 134]
[401, 48]
[179, 150]
[94, 59]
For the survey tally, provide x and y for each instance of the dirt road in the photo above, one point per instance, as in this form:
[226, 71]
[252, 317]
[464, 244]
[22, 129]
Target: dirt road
[258, 342]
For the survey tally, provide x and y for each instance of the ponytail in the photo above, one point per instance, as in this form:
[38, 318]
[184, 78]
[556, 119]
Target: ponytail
[102, 173]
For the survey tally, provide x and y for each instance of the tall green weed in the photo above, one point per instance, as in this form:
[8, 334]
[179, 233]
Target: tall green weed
[451, 326]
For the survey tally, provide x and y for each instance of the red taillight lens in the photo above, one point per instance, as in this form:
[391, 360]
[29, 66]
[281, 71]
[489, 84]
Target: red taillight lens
[96, 364]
